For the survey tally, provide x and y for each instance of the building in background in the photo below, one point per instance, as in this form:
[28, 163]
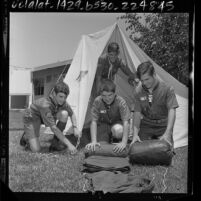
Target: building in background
[20, 87]
[28, 84]
[44, 77]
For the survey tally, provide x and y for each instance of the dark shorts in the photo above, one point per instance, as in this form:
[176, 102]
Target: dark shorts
[104, 133]
[151, 130]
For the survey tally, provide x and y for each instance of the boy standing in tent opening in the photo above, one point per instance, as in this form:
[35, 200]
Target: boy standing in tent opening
[109, 64]
[46, 111]
[154, 107]
[110, 118]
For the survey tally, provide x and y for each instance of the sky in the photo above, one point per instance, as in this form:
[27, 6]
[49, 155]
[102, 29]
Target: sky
[42, 38]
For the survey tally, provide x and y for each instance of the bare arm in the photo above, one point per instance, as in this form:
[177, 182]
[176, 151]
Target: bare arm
[126, 69]
[93, 130]
[73, 120]
[136, 126]
[132, 79]
[168, 135]
[171, 120]
[74, 123]
[61, 137]
[125, 132]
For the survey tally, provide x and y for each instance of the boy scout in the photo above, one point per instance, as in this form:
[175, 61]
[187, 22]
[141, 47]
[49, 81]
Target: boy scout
[109, 64]
[46, 111]
[110, 115]
[155, 107]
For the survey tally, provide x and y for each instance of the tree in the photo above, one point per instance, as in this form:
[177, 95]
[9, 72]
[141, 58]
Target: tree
[165, 38]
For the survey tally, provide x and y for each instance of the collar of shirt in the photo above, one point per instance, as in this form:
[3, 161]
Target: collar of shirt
[114, 64]
[108, 105]
[154, 88]
[54, 102]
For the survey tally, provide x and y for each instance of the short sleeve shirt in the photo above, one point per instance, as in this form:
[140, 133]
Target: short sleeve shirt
[47, 108]
[104, 67]
[118, 110]
[163, 99]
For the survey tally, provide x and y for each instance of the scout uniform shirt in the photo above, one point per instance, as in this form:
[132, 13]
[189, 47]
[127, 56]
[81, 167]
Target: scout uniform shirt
[116, 112]
[154, 107]
[107, 69]
[46, 109]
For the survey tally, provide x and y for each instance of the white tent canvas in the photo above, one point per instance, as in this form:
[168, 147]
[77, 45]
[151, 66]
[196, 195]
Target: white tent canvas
[81, 74]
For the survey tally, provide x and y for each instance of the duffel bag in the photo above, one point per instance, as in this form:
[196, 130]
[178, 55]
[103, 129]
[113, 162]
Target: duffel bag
[151, 152]
[106, 150]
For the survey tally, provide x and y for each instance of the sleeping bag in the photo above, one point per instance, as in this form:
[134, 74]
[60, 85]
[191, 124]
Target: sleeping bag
[106, 150]
[105, 163]
[151, 152]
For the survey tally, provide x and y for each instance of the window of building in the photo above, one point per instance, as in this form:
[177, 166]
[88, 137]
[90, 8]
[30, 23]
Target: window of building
[48, 78]
[39, 86]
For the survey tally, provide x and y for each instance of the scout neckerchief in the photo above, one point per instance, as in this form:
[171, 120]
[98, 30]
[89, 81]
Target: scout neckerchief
[109, 76]
[150, 94]
[53, 100]
[110, 73]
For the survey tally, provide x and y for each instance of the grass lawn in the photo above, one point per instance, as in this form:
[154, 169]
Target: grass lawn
[60, 172]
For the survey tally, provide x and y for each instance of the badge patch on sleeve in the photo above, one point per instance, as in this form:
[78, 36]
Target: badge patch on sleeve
[103, 111]
[143, 98]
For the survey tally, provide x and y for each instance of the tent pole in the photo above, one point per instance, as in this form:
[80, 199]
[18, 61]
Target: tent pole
[51, 91]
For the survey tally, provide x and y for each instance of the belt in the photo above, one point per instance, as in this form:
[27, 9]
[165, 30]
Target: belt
[157, 121]
[110, 122]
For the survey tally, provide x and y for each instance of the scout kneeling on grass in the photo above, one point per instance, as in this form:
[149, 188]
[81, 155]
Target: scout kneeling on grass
[110, 118]
[46, 111]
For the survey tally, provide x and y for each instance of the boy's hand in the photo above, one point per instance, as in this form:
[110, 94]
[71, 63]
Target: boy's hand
[119, 147]
[92, 146]
[77, 133]
[136, 138]
[72, 149]
[168, 138]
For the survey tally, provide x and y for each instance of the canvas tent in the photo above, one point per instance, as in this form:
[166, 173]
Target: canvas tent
[81, 74]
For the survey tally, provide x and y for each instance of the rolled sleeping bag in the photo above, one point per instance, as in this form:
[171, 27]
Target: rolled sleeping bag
[151, 152]
[106, 150]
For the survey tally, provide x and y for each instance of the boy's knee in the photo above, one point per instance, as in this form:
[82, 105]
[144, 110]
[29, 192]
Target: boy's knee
[62, 116]
[117, 131]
